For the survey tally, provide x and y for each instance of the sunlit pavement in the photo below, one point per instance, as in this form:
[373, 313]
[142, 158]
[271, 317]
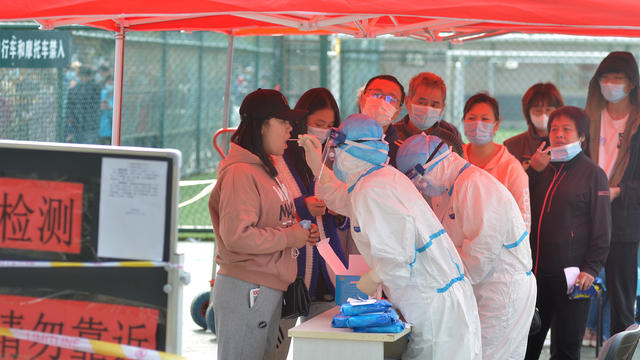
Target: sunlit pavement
[198, 344]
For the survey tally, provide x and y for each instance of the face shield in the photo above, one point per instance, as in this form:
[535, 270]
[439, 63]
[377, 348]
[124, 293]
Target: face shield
[425, 184]
[337, 142]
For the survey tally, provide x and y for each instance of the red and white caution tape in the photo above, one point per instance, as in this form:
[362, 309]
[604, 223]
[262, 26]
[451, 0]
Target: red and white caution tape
[88, 345]
[50, 264]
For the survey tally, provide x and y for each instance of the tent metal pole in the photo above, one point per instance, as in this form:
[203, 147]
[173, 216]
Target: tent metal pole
[227, 91]
[118, 72]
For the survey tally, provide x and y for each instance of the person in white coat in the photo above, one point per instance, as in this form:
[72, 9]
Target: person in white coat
[487, 228]
[401, 240]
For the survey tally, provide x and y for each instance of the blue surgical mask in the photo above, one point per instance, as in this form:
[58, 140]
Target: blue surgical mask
[423, 117]
[565, 152]
[612, 92]
[479, 132]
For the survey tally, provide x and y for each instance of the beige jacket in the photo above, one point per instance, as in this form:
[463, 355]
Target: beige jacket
[250, 212]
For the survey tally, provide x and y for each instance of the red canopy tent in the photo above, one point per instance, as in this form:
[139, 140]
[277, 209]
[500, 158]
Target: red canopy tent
[444, 20]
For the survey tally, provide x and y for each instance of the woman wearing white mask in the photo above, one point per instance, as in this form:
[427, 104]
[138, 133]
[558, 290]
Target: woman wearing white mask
[571, 228]
[323, 114]
[537, 103]
[613, 105]
[481, 121]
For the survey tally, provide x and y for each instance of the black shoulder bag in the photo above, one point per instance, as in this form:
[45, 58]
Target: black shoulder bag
[296, 300]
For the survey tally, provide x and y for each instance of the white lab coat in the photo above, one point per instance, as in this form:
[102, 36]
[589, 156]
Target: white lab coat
[486, 226]
[402, 241]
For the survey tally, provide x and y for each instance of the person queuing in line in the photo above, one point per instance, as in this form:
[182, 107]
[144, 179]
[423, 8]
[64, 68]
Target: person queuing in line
[537, 103]
[323, 114]
[613, 106]
[481, 121]
[254, 219]
[571, 228]
[486, 227]
[401, 240]
[382, 100]
[425, 105]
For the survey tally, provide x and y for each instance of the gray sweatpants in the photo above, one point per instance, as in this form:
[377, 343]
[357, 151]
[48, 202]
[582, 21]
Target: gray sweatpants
[243, 332]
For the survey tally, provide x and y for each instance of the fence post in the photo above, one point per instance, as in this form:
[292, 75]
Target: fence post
[163, 89]
[199, 103]
[324, 60]
[61, 118]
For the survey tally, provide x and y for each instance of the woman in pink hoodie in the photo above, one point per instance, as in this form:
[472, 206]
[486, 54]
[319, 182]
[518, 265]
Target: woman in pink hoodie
[481, 121]
[257, 234]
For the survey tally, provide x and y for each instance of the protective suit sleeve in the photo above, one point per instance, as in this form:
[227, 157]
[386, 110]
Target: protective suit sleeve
[334, 194]
[601, 229]
[480, 245]
[239, 213]
[390, 229]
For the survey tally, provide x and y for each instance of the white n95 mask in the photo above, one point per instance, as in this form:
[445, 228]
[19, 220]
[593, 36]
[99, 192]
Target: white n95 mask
[379, 110]
[540, 121]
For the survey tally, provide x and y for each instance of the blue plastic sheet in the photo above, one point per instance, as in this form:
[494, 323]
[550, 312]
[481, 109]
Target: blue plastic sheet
[376, 307]
[375, 319]
[396, 327]
[339, 321]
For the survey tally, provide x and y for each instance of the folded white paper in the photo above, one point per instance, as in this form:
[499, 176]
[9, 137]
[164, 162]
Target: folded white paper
[571, 273]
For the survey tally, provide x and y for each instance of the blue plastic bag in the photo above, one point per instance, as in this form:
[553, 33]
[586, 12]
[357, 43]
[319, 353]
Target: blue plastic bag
[371, 320]
[339, 321]
[376, 306]
[396, 327]
[584, 294]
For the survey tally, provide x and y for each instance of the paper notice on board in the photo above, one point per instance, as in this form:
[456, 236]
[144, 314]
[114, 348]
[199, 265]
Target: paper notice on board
[132, 209]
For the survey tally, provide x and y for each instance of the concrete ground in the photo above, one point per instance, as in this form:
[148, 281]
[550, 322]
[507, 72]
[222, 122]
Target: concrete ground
[198, 344]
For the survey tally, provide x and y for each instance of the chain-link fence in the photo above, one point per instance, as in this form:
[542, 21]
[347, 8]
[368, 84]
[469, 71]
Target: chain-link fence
[174, 84]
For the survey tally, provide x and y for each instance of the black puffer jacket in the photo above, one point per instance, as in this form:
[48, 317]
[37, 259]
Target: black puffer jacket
[570, 217]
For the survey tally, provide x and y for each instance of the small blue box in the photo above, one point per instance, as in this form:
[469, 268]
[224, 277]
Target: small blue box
[346, 288]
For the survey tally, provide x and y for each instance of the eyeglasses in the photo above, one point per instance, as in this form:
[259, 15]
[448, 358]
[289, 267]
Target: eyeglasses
[378, 94]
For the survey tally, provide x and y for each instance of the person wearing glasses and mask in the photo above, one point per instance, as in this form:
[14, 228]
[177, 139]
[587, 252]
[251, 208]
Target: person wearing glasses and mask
[381, 100]
[425, 104]
[481, 121]
[571, 228]
[613, 105]
[537, 103]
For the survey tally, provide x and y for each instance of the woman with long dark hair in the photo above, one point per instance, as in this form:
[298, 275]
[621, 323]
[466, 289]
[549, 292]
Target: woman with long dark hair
[322, 115]
[257, 234]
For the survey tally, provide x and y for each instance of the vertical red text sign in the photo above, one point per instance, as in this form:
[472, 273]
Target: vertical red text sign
[122, 324]
[40, 215]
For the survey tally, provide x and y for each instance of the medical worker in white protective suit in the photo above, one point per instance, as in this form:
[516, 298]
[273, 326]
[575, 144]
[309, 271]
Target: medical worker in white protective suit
[487, 228]
[401, 240]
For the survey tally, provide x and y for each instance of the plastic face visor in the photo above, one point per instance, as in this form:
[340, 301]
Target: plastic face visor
[338, 140]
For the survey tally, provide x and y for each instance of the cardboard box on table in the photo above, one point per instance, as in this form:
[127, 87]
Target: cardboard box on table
[344, 279]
